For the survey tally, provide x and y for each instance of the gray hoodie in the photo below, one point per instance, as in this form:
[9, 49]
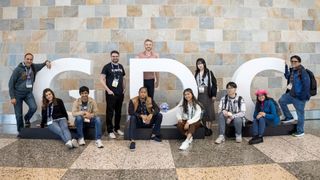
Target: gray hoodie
[17, 82]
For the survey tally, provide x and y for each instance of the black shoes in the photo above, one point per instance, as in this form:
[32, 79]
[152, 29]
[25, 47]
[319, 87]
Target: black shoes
[27, 124]
[156, 138]
[256, 140]
[132, 146]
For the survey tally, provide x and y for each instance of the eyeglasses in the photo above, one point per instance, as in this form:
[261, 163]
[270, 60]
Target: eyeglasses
[230, 88]
[28, 59]
[294, 61]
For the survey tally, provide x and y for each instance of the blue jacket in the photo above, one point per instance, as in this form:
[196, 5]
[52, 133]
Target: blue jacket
[271, 113]
[300, 87]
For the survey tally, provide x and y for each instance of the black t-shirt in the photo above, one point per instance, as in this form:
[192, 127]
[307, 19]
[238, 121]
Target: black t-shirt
[114, 72]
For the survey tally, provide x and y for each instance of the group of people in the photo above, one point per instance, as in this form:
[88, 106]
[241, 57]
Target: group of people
[144, 111]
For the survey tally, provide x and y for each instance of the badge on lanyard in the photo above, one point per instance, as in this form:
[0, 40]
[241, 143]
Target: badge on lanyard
[115, 82]
[289, 86]
[29, 81]
[201, 89]
[49, 115]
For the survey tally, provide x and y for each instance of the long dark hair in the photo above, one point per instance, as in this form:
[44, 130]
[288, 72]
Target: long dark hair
[206, 70]
[185, 102]
[45, 101]
[258, 103]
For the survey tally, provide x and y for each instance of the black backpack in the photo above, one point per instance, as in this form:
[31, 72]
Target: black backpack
[279, 113]
[313, 83]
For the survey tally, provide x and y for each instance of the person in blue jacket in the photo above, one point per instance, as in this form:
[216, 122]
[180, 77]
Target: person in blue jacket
[265, 113]
[297, 93]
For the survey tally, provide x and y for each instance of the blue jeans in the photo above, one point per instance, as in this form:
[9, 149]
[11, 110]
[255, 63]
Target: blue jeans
[237, 122]
[258, 126]
[136, 122]
[29, 100]
[94, 122]
[298, 105]
[60, 127]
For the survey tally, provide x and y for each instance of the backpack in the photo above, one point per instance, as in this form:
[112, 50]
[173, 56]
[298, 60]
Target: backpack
[239, 102]
[313, 83]
[279, 113]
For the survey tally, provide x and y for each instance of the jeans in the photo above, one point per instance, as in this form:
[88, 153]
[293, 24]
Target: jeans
[298, 105]
[258, 126]
[136, 122]
[114, 104]
[60, 127]
[237, 122]
[94, 122]
[149, 84]
[29, 99]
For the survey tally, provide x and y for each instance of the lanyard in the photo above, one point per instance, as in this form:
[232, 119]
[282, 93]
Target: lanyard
[49, 114]
[115, 70]
[201, 84]
[28, 72]
[190, 115]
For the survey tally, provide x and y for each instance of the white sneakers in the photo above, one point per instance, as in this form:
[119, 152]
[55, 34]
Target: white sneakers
[220, 139]
[81, 142]
[72, 144]
[112, 135]
[238, 138]
[119, 132]
[99, 143]
[186, 143]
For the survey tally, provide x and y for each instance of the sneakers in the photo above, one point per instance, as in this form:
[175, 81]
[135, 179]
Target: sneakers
[220, 139]
[112, 135]
[81, 142]
[132, 146]
[285, 121]
[69, 144]
[119, 132]
[238, 138]
[184, 145]
[298, 134]
[27, 124]
[190, 140]
[99, 143]
[74, 143]
[256, 140]
[156, 138]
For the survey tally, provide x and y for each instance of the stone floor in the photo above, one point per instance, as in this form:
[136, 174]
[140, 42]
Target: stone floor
[281, 157]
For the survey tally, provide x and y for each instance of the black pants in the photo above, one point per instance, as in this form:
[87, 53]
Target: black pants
[149, 84]
[114, 104]
[136, 122]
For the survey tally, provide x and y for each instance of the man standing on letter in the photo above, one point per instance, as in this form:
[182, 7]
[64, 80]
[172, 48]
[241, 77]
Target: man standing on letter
[150, 79]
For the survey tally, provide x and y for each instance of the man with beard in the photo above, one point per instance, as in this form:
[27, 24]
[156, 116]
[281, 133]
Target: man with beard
[150, 79]
[113, 81]
[21, 86]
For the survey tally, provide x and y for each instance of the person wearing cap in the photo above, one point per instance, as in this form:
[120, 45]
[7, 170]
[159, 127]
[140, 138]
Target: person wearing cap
[265, 113]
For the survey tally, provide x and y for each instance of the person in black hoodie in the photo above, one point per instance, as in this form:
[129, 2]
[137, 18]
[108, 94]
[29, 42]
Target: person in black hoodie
[21, 86]
[54, 114]
[207, 88]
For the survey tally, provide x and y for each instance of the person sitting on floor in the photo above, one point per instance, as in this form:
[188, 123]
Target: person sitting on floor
[85, 111]
[265, 113]
[144, 112]
[54, 115]
[232, 110]
[189, 117]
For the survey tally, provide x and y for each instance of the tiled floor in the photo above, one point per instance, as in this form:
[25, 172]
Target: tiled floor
[281, 157]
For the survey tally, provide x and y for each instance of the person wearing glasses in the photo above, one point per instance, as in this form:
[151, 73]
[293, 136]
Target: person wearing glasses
[231, 111]
[21, 86]
[297, 93]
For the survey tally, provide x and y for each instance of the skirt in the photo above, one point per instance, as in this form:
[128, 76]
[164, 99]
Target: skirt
[208, 105]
